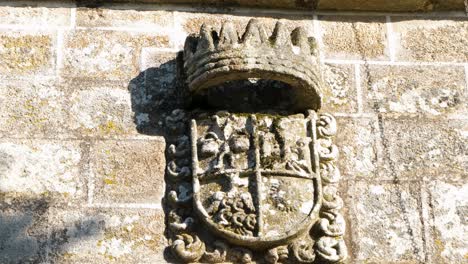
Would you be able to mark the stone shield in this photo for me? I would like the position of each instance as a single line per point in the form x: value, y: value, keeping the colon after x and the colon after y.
x: 255, y: 177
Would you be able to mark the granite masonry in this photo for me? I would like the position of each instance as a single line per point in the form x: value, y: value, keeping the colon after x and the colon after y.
x: 86, y: 92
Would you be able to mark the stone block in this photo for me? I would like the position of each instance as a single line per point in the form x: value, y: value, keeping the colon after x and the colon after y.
x: 107, y: 236
x: 24, y: 229
x: 425, y: 149
x: 414, y: 90
x: 120, y: 16
x: 342, y: 5
x: 156, y: 58
x: 449, y: 221
x: 354, y: 37
x: 106, y: 55
x: 27, y: 53
x: 128, y: 171
x: 42, y: 167
x: 37, y: 13
x: 32, y: 108
x: 386, y: 223
x: 420, y: 39
x: 339, y: 93
x: 102, y: 111
x: 360, y: 148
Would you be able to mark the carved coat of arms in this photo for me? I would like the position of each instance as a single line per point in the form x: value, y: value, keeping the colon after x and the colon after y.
x: 252, y: 177
x: 254, y: 187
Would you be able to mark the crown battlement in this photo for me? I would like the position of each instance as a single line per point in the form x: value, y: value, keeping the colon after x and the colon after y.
x: 212, y: 58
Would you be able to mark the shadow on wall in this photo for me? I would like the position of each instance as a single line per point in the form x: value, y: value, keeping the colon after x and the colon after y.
x: 156, y: 94
x: 29, y: 233
x: 23, y: 230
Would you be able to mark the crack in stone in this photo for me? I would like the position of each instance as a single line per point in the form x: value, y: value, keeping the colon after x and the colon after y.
x: 396, y: 180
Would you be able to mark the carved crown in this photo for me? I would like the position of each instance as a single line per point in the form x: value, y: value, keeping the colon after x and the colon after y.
x: 212, y: 58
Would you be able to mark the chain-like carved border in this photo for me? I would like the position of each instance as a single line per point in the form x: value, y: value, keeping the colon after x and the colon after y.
x: 185, y: 245
x: 324, y: 244
x: 330, y: 246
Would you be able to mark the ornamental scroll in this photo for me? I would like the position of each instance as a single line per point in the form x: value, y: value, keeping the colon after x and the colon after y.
x: 253, y: 179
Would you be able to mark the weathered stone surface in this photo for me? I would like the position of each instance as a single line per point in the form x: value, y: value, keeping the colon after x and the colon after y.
x: 354, y: 37
x: 360, y: 148
x: 159, y: 89
x: 191, y: 22
x: 156, y: 58
x: 32, y: 108
x: 128, y: 171
x: 111, y: 55
x: 376, y: 5
x: 361, y: 5
x: 127, y: 18
x: 431, y: 39
x: 449, y: 5
x: 42, y: 167
x: 386, y: 223
x: 416, y: 90
x: 255, y: 70
x: 425, y: 148
x: 449, y: 221
x: 227, y: 3
x: 160, y: 72
x: 250, y: 195
x: 102, y: 111
x: 24, y: 229
x: 247, y: 180
x: 38, y: 13
x: 25, y: 52
x: 106, y: 236
x: 47, y: 108
x: 110, y: 91
x: 339, y: 90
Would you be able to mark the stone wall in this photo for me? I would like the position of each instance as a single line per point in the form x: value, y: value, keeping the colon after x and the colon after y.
x: 83, y: 92
x: 348, y: 5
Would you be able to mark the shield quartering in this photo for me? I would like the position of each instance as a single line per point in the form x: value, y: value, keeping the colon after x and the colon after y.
x: 253, y: 176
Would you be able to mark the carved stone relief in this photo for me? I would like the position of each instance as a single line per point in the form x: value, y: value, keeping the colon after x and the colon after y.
x: 254, y: 178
